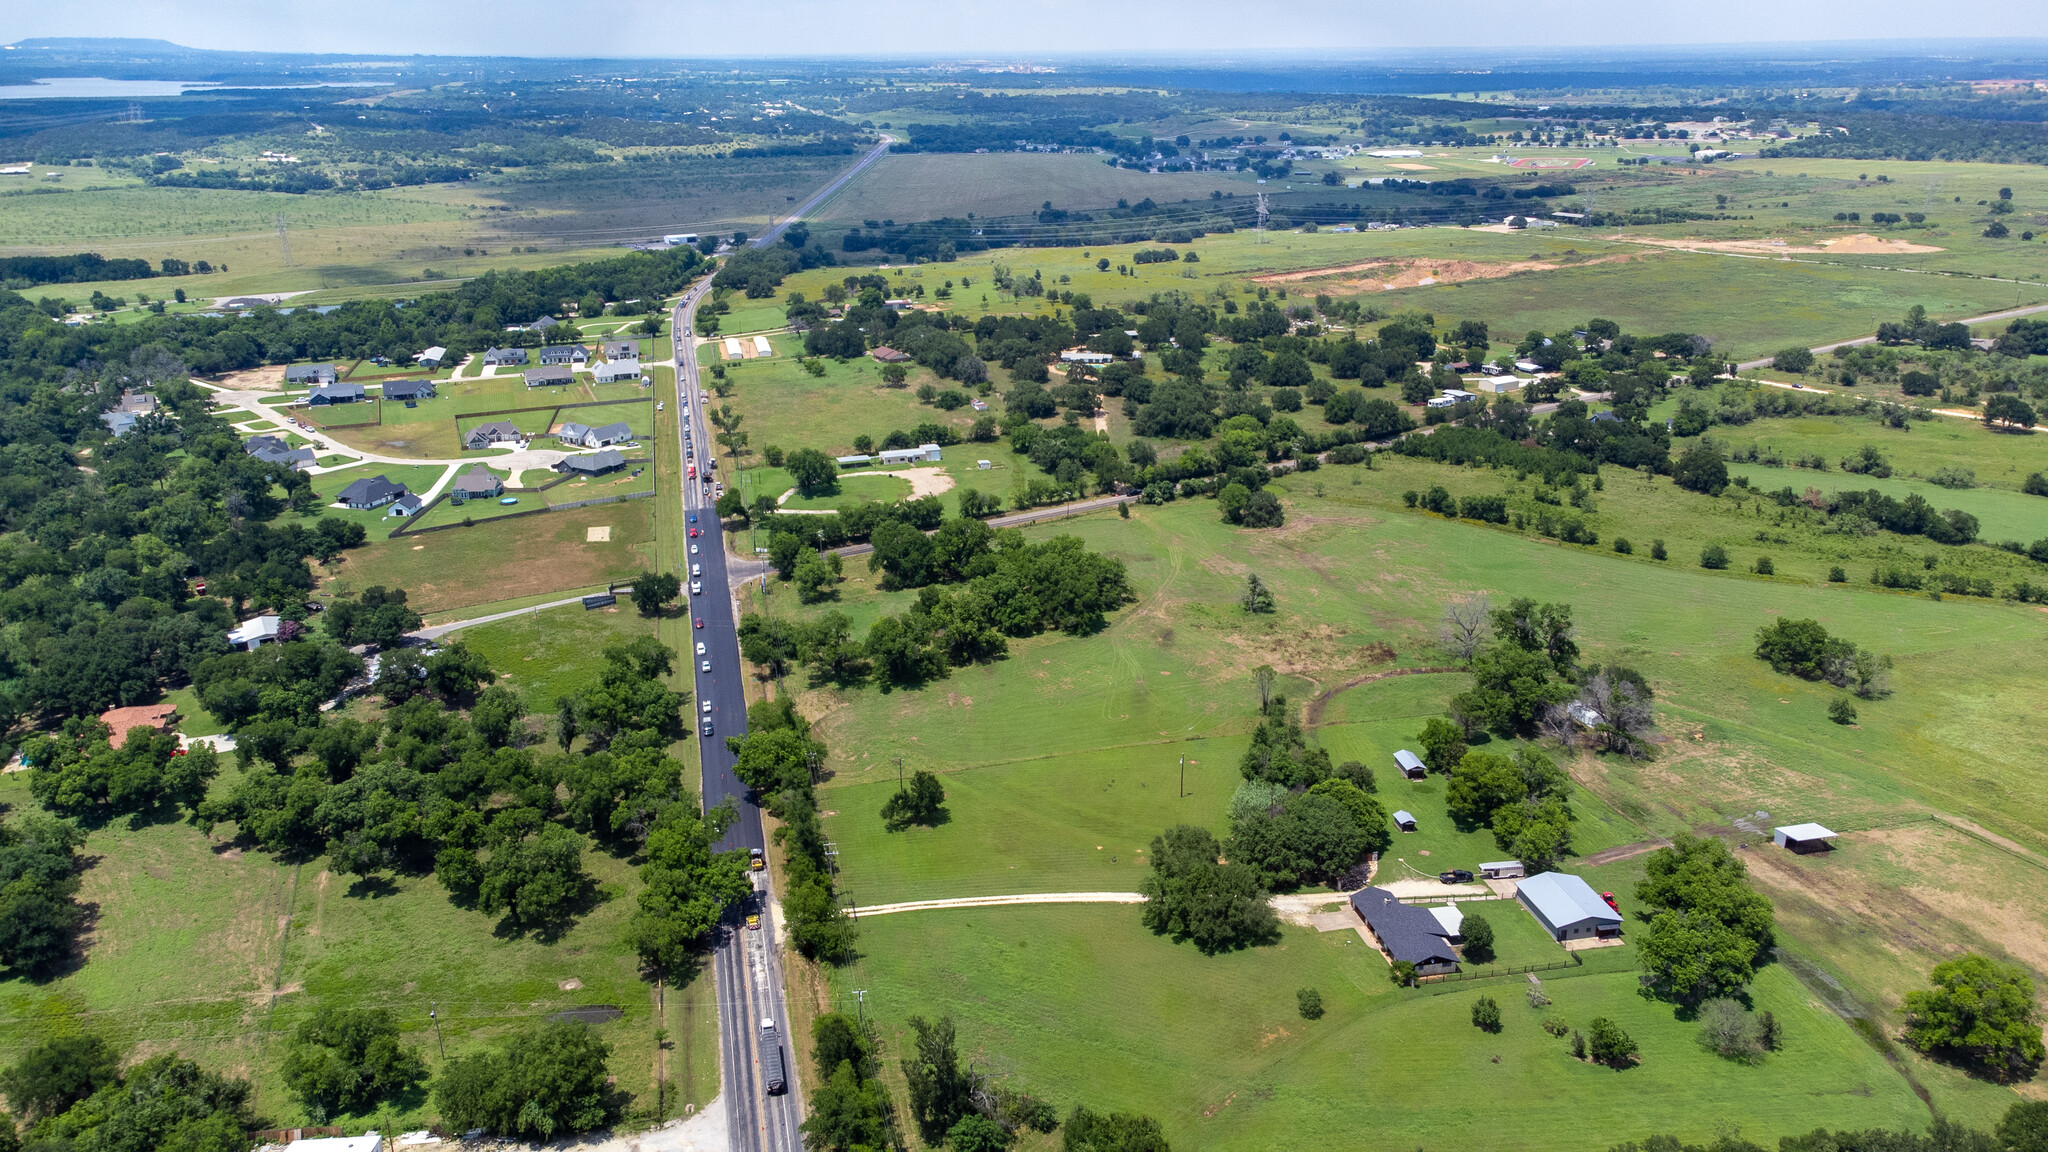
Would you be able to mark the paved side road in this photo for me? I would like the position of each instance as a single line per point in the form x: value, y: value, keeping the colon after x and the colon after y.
x: 1824, y: 349
x: 1003, y: 901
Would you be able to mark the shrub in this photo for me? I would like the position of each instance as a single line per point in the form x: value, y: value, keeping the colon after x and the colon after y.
x: 1714, y: 556
x: 1953, y: 477
x: 1309, y: 1003
x: 1763, y: 567
x: 1622, y: 546
x: 1478, y: 933
x: 1556, y: 1026
x: 2036, y: 485
x: 1657, y: 550
x: 1725, y: 1030
x: 1486, y: 1014
x: 1610, y: 1045
x: 1837, y: 576
x: 1842, y: 710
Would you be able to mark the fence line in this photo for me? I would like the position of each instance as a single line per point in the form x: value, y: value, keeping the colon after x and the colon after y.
x: 1572, y: 961
x: 403, y: 530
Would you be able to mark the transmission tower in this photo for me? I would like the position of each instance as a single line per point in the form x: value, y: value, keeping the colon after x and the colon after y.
x: 1263, y: 213
x: 283, y: 242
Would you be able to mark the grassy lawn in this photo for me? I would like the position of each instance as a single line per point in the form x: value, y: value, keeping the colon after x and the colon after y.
x: 416, y: 477
x: 554, y: 652
x: 787, y: 407
x: 616, y: 483
x: 1082, y: 1005
x: 492, y: 562
x: 755, y: 316
x: 852, y: 489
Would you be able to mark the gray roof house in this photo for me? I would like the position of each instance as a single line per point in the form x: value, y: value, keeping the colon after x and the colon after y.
x: 406, y: 506
x: 564, y: 354
x: 550, y: 376
x: 494, y: 432
x: 374, y: 492
x: 1567, y: 906
x: 1406, y: 932
x: 310, y: 374
x: 588, y: 437
x: 613, y: 371
x: 408, y: 389
x: 544, y: 323
x: 592, y: 463
x: 343, y: 393
x: 479, y: 483
x: 275, y: 450
x: 504, y: 356
x: 620, y: 349
x: 118, y: 422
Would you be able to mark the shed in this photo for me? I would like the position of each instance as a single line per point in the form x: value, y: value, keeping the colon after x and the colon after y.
x: 368, y: 1142
x: 406, y: 506
x: 855, y: 461
x: 762, y: 347
x: 1452, y: 920
x: 1406, y: 932
x: 1567, y: 906
x: 1404, y: 820
x: 1502, y: 870
x: 1411, y: 765
x: 600, y: 600
x: 1803, y: 838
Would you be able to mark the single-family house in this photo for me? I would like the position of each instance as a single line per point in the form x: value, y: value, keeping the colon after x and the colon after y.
x: 565, y: 354
x: 1410, y: 764
x: 431, y: 357
x: 479, y: 483
x: 1406, y: 932
x: 504, y: 357
x: 888, y: 355
x: 584, y: 436
x: 275, y: 450
x: 550, y: 376
x: 118, y: 422
x: 544, y: 323
x: 593, y: 463
x: 406, y: 506
x: 1502, y: 870
x: 408, y: 389
x: 346, y: 392
x: 310, y: 374
x: 494, y: 432
x: 910, y: 455
x: 620, y: 349
x: 1803, y: 838
x: 151, y: 717
x: 254, y: 633
x: 613, y: 371
x: 1404, y: 820
x: 1567, y: 907
x: 372, y: 492
x: 1084, y: 356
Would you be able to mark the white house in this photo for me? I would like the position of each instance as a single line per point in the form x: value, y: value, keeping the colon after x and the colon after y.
x: 613, y: 371
x: 252, y: 634
x: 910, y: 455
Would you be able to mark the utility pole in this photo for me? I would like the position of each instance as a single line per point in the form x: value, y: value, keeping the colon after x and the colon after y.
x: 284, y: 243
x: 860, y: 997
x: 1262, y: 218
x: 434, y: 1014
x: 1183, y: 776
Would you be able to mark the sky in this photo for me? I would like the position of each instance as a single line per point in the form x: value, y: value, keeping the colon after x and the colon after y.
x: 1005, y: 29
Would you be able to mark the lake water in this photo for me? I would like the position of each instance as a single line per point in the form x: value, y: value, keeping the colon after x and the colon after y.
x: 100, y: 88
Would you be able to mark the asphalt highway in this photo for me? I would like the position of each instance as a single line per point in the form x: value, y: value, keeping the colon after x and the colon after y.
x: 746, y: 964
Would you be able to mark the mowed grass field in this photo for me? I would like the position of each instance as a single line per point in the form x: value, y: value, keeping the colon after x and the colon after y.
x: 785, y: 406
x: 493, y: 562
x: 1062, y: 761
x: 218, y: 953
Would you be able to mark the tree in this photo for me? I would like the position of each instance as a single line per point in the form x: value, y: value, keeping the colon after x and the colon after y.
x: 654, y: 591
x: 770, y: 643
x: 1309, y: 1003
x: 1478, y: 933
x: 1700, y: 468
x: 920, y: 802
x: 380, y: 617
x: 455, y: 673
x: 1709, y: 925
x: 815, y: 473
x: 1981, y: 1013
x: 817, y: 578
x: 1370, y: 814
x: 2007, y: 410
x: 1231, y: 500
x: 1486, y: 1014
x: 1313, y: 837
x: 1792, y: 360
x: 533, y: 879
x: 939, y: 1087
x: 1191, y: 897
x: 344, y: 1060
x: 1087, y: 1131
x: 688, y: 888
x: 1465, y: 626
x: 1257, y: 598
x: 158, y: 1105
x: 2025, y: 1127
x: 1262, y: 509
x: 1481, y: 783
x: 1714, y: 557
x: 1609, y: 1045
x: 54, y: 1075
x: 1842, y: 710
x: 977, y: 1133
x: 1725, y: 1030
x: 548, y: 1082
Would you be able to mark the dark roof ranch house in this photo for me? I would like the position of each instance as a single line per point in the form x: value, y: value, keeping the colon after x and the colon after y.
x: 1405, y: 931
x: 592, y: 463
x: 374, y: 492
x: 310, y: 374
x: 495, y: 432
x: 550, y: 376
x: 343, y: 393
x: 408, y: 389
x: 504, y: 356
x: 564, y: 354
x: 479, y: 483
x: 1567, y: 907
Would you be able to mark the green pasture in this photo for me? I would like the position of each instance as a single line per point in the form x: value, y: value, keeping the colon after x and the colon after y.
x: 922, y: 186
x: 754, y: 316
x: 494, y: 562
x: 787, y: 407
x: 616, y: 483
x: 856, y: 487
x: 2001, y: 514
x: 1082, y: 1005
x: 2001, y: 460
x: 554, y: 651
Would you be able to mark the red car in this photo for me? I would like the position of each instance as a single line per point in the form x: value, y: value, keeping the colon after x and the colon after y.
x: 700, y: 621
x: 1609, y: 897
x: 694, y: 532
x: 693, y: 471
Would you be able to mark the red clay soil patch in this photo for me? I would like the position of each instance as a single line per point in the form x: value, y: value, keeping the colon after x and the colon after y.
x: 1382, y: 275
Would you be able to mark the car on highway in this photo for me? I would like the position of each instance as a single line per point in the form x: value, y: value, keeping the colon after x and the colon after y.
x: 693, y: 517
x: 693, y: 471
x: 696, y: 569
x: 705, y: 708
x: 694, y: 531
x: 706, y: 668
x: 700, y: 624
x: 706, y: 729
x: 693, y: 549
x: 696, y: 587
x: 753, y: 922
x: 756, y: 859
x: 700, y: 644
